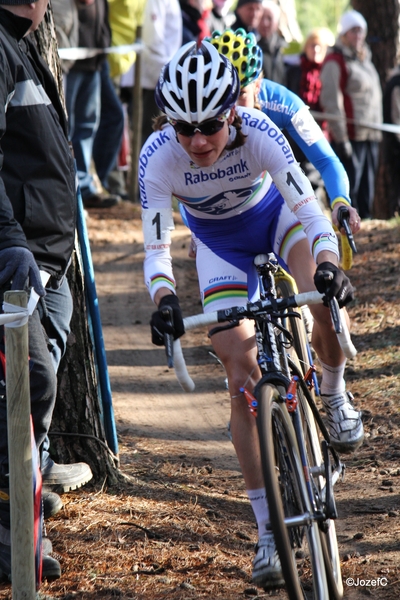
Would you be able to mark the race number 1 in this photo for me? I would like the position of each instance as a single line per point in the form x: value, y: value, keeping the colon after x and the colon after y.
x: 290, y: 180
x: 157, y: 227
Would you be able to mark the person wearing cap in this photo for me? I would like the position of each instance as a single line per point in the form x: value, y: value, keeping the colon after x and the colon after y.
x: 248, y: 14
x: 37, y: 233
x: 352, y: 93
x: 271, y: 42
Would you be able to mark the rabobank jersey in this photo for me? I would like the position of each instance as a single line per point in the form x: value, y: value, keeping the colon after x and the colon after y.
x: 290, y: 114
x: 235, y: 184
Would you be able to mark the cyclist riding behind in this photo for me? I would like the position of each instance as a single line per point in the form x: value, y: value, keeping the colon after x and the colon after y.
x: 244, y: 194
x: 289, y: 112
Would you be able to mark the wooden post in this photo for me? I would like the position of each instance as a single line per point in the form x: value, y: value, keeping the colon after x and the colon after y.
x: 137, y: 117
x: 20, y: 456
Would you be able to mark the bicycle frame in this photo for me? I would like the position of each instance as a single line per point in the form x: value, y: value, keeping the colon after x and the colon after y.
x: 278, y: 368
x: 281, y: 372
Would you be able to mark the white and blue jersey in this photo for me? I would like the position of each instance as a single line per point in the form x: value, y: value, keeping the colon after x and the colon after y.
x: 253, y: 199
x: 292, y: 115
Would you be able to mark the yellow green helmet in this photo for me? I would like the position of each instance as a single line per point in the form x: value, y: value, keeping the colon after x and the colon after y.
x: 242, y: 50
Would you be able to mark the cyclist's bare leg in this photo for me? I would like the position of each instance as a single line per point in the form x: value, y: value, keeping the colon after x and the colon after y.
x: 344, y: 421
x: 324, y: 339
x: 237, y: 350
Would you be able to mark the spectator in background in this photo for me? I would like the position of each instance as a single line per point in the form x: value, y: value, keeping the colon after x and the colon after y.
x: 205, y: 7
x: 303, y: 78
x: 162, y: 37
x: 248, y: 14
x: 350, y: 88
x: 271, y: 42
x: 303, y: 75
x: 108, y: 138
x: 391, y: 141
x: 220, y: 17
x: 124, y: 16
x: 83, y: 98
x: 66, y: 21
x: 37, y: 233
x: 192, y: 11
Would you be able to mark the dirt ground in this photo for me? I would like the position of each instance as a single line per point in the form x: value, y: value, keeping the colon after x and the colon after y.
x: 179, y: 526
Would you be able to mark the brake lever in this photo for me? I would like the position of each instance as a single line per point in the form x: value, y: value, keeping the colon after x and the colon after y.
x: 335, y: 314
x: 333, y: 306
x: 343, y: 216
x: 167, y: 315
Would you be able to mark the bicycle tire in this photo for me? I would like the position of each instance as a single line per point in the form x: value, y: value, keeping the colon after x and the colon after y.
x: 327, y: 529
x: 312, y: 441
x: 329, y: 543
x: 288, y: 497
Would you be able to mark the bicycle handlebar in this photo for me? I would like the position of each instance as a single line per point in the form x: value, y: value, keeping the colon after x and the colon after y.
x: 297, y: 300
x: 343, y: 216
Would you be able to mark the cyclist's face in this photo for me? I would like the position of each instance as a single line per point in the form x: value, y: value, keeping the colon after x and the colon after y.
x: 247, y: 95
x: 204, y: 150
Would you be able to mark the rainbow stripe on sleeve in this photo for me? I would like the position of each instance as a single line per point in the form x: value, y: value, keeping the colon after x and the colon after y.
x: 224, y: 290
x: 321, y: 238
x: 296, y: 227
x: 161, y: 278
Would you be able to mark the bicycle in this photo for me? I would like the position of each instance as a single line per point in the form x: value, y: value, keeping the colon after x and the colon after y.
x: 299, y: 466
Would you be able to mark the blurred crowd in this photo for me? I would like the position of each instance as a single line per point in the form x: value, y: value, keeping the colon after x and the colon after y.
x: 331, y: 72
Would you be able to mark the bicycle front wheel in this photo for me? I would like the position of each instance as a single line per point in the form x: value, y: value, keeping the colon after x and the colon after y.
x: 294, y: 324
x: 296, y: 533
x: 327, y: 527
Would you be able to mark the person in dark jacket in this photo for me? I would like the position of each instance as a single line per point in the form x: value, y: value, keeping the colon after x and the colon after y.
x: 37, y: 231
x: 87, y: 80
x: 191, y: 15
x: 391, y: 141
x: 248, y: 14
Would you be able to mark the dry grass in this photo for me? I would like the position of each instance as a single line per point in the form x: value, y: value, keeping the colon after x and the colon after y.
x: 177, y: 528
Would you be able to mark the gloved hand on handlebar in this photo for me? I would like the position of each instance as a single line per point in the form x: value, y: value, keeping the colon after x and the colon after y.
x: 159, y: 323
x: 337, y: 286
x: 18, y: 264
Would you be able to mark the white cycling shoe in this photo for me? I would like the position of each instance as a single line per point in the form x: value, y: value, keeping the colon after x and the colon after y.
x: 267, y: 571
x: 344, y: 422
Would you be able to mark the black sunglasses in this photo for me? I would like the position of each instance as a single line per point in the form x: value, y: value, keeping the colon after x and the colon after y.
x: 206, y: 128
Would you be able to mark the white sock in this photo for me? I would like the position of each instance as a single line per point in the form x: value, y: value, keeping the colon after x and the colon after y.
x: 259, y: 504
x: 332, y: 379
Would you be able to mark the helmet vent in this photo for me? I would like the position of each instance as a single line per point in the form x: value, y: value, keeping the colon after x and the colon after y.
x: 207, y: 101
x: 192, y: 96
x: 193, y: 65
x: 221, y: 71
x: 179, y: 101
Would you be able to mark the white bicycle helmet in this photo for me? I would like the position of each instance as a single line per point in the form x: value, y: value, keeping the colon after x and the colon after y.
x: 198, y: 84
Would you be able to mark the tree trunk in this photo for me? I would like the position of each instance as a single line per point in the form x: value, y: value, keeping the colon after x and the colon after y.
x: 77, y: 431
x: 383, y: 38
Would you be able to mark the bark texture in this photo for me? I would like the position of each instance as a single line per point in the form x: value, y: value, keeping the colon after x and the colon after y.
x: 383, y: 38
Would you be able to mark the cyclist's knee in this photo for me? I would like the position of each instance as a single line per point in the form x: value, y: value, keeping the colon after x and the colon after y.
x: 322, y: 316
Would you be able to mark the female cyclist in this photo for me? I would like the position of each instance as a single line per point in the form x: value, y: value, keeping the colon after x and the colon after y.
x: 244, y: 194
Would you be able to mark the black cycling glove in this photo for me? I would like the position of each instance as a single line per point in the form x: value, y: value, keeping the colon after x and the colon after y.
x: 338, y: 286
x: 160, y: 323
